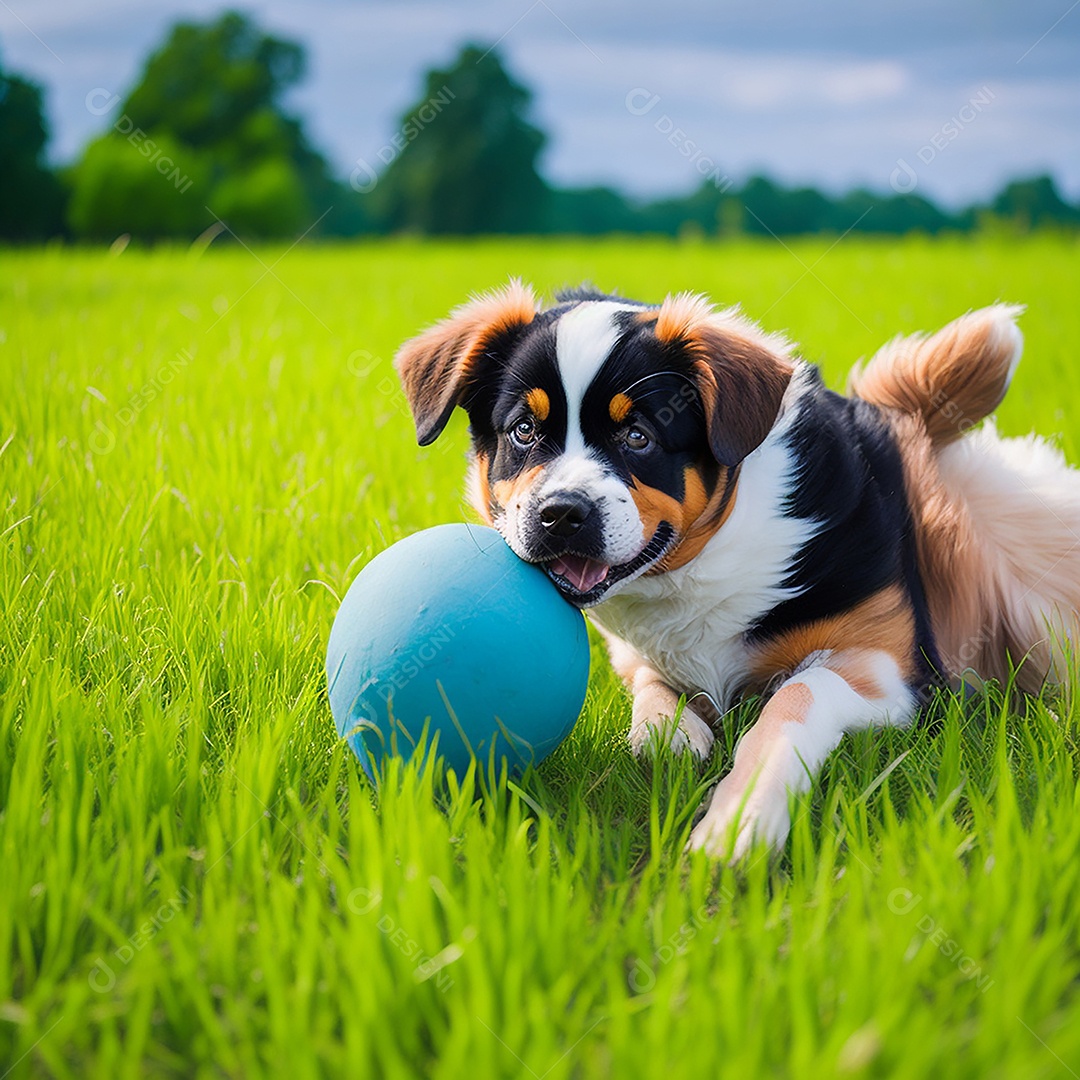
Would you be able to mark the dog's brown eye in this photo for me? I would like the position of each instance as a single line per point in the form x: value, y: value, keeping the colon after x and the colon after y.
x: 523, y: 432
x: 636, y: 439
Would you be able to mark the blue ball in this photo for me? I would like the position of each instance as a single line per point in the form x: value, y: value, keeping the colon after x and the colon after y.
x: 449, y: 627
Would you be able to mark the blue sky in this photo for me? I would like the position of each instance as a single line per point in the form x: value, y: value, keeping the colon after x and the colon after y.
x: 833, y: 94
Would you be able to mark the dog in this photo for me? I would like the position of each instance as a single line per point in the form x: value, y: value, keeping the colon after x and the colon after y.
x: 735, y: 528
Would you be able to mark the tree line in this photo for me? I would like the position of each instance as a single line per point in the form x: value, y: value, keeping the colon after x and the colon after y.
x: 203, y: 141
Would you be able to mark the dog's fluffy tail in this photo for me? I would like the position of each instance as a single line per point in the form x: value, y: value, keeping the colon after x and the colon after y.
x: 997, y: 520
x: 952, y: 379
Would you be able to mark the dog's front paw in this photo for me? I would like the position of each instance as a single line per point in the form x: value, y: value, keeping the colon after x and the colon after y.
x: 740, y: 816
x: 653, y: 727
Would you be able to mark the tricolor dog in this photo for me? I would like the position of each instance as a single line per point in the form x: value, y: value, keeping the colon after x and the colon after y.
x: 735, y: 528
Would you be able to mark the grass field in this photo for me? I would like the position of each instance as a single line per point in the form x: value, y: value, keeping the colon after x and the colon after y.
x: 199, y: 453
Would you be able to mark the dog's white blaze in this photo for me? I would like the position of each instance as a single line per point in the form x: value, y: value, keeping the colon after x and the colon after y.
x: 584, y: 338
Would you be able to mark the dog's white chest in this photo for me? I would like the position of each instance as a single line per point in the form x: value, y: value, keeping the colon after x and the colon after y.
x: 692, y: 649
x: 690, y: 624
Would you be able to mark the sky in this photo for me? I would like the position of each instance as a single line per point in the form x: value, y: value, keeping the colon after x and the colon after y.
x: 948, y: 98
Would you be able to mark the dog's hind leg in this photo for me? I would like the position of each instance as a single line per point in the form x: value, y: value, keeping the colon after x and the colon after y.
x: 1007, y: 557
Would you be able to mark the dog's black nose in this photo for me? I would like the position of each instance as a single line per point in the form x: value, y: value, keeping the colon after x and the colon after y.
x: 564, y: 514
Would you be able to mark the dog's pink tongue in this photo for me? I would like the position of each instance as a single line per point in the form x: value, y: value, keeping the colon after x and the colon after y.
x: 584, y: 574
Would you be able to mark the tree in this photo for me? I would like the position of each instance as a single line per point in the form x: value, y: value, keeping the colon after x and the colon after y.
x: 209, y: 83
x: 596, y: 211
x: 467, y: 158
x: 212, y: 94
x: 119, y: 190
x: 31, y: 197
x: 266, y: 200
x: 869, y: 212
x: 772, y: 209
x: 1033, y: 203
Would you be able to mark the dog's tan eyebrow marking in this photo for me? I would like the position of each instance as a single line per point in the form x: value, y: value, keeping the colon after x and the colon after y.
x: 619, y: 407
x: 539, y: 402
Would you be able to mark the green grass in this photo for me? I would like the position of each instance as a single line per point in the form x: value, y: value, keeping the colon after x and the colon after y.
x: 196, y: 879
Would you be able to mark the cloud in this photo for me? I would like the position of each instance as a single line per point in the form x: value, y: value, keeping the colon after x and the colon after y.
x: 829, y: 93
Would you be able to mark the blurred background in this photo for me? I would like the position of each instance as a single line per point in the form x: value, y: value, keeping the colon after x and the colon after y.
x: 184, y: 121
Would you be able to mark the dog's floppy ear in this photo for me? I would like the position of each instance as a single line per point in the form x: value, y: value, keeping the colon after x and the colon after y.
x: 437, y: 367
x: 741, y: 372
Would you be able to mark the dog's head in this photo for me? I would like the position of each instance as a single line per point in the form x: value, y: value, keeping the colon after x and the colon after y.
x: 607, y: 434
